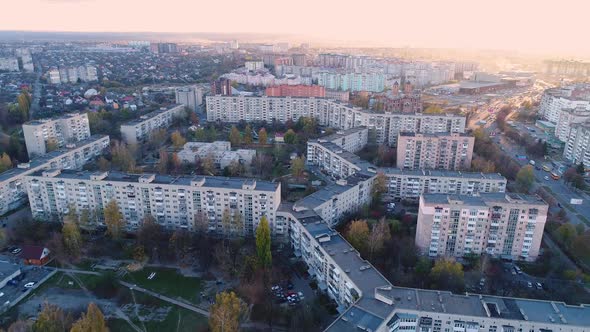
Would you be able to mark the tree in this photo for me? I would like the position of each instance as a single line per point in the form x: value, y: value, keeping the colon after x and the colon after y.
x: 163, y: 162
x: 5, y: 162
x: 565, y: 234
x: 149, y: 233
x: 92, y: 321
x: 525, y: 177
x: 51, y: 144
x: 157, y: 138
x: 297, y: 167
x: 20, y: 326
x: 225, y: 313
x: 52, y: 319
x: 358, y: 234
x: 72, y: 238
x: 581, y: 169
x: 103, y: 164
x: 114, y: 220
x: 263, y: 242
x: 177, y: 139
x: 290, y: 137
x: 122, y: 157
x: 200, y: 135
x: 433, y: 109
x: 378, y: 236
x: 139, y: 253
x: 262, y: 164
x: 262, y: 136
x: 179, y: 243
x: 237, y: 224
x: 226, y: 222
x: 447, y: 274
x: 201, y: 222
x: 24, y: 104
x: 234, y: 136
x: 379, y: 186
x: 208, y: 165
x: 248, y: 135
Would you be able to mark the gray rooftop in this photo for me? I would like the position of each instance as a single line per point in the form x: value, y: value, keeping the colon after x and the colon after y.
x: 342, y: 133
x: 484, y: 199
x: 44, y: 159
x: 150, y: 115
x: 186, y: 180
x: 442, y: 173
x: 327, y: 193
x: 364, y: 167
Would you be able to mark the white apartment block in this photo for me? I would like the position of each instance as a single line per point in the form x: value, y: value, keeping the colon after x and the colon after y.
x: 336, y: 161
x: 219, y: 151
x: 12, y: 188
x: 254, y: 65
x: 403, y: 184
x: 569, y: 117
x: 139, y: 129
x: 63, y: 130
x: 53, y: 76
x: 503, y: 225
x: 369, y: 302
x: 447, y: 151
x: 352, y: 140
x: 336, y: 200
x: 577, y: 147
x: 174, y: 201
x: 189, y: 96
x: 330, y: 113
x: 555, y: 100
x: 86, y: 73
x: 9, y: 64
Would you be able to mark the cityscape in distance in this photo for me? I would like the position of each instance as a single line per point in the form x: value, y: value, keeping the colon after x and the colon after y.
x: 386, y: 167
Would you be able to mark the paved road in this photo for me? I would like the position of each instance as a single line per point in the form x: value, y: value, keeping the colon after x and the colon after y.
x: 165, y: 298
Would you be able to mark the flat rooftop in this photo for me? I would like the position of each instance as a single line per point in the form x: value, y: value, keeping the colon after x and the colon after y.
x: 46, y: 158
x: 327, y: 193
x: 442, y: 173
x: 150, y: 115
x: 209, y: 181
x: 60, y: 117
x: 362, y: 165
x: 484, y: 199
x: 342, y: 133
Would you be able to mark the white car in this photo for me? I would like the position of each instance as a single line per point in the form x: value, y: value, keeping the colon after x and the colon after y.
x: 30, y: 284
x: 546, y: 178
x: 1, y: 294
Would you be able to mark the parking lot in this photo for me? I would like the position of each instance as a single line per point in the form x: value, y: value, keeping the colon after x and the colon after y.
x: 30, y: 276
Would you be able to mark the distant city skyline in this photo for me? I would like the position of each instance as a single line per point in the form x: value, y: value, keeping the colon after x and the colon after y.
x: 530, y: 26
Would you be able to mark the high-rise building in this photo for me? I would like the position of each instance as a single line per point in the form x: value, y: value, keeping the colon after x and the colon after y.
x: 55, y: 133
x: 220, y: 153
x: 352, y: 81
x: 447, y: 151
x: 74, y: 156
x: 503, y: 225
x: 9, y: 64
x: 162, y: 48
x: 53, y: 76
x: 176, y: 202
x: 577, y: 146
x: 138, y: 130
x: 254, y: 65
x: 556, y: 100
x: 189, y: 96
x: 386, y: 126
x: 299, y: 59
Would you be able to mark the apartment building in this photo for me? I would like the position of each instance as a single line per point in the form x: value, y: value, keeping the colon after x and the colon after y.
x: 555, y: 100
x: 335, y: 114
x: 189, y: 96
x: 9, y: 64
x: 404, y: 184
x: 568, y: 117
x: 177, y: 202
x: 367, y: 301
x: 503, y: 225
x: 336, y: 200
x: 12, y: 188
x: 69, y: 128
x: 219, y: 151
x: 295, y: 91
x: 139, y: 129
x: 448, y: 151
x: 334, y: 160
x: 352, y: 81
x: 577, y: 147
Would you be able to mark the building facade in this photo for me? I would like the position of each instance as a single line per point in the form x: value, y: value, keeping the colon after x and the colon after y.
x: 59, y: 131
x: 404, y: 184
x: 447, y: 151
x: 12, y: 187
x: 502, y: 225
x: 296, y: 91
x: 555, y: 100
x: 352, y: 81
x: 138, y: 130
x: 219, y: 151
x: 577, y: 147
x: 176, y: 202
x: 189, y: 96
x: 386, y: 126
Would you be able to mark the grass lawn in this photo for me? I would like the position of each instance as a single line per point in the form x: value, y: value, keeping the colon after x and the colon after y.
x: 119, y: 325
x: 180, y: 320
x: 168, y: 282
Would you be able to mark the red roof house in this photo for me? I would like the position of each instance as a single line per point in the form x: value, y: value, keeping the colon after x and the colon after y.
x: 35, y: 255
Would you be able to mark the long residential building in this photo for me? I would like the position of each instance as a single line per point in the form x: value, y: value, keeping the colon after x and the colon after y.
x: 447, y: 151
x: 555, y: 100
x: 139, y: 129
x: 219, y: 151
x: 577, y: 146
x: 330, y: 113
x: 568, y: 117
x: 352, y: 81
x: 189, y: 96
x: 369, y: 302
x: 502, y: 225
x: 12, y: 188
x: 60, y: 131
x: 176, y: 202
x: 413, y: 183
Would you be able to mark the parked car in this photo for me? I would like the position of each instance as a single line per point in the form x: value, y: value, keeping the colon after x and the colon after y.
x: 16, y: 251
x: 529, y: 284
x: 30, y: 284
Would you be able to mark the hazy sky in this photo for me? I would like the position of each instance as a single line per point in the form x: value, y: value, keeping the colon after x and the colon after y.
x: 540, y: 25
